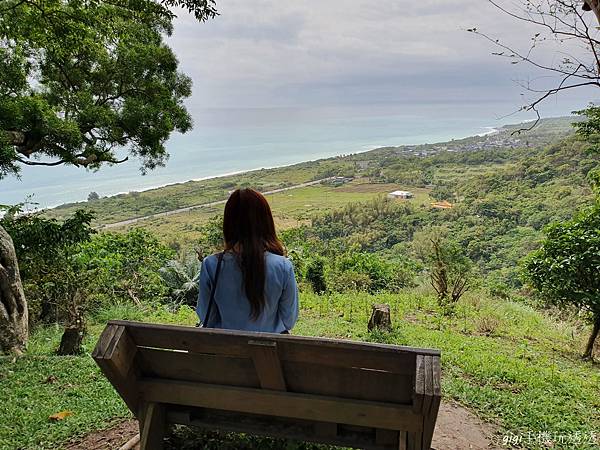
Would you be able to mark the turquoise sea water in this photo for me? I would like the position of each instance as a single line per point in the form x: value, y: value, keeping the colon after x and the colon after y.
x: 231, y: 140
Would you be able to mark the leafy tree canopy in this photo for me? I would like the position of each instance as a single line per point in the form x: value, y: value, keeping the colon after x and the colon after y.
x: 565, y: 270
x: 83, y: 82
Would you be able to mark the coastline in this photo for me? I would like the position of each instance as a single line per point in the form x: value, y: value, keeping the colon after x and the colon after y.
x: 364, y: 149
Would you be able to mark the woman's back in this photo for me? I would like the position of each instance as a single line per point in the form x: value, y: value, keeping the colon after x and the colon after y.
x: 232, y: 310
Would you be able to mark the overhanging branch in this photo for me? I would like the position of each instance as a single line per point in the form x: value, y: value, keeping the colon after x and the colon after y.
x: 79, y: 161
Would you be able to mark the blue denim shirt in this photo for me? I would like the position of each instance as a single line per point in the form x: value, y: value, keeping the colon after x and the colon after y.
x: 231, y: 309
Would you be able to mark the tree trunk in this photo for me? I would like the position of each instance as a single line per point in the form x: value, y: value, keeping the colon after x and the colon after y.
x: 589, y: 349
x: 14, y: 328
x: 592, y: 5
x: 380, y: 318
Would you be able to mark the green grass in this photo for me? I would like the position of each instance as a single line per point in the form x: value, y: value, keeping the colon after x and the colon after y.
x: 290, y: 208
x: 510, y: 364
x: 138, y: 204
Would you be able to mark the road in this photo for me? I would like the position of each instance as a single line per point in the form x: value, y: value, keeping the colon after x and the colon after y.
x: 206, y: 205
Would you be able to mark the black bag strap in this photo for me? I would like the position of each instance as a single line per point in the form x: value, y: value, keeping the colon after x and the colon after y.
x: 211, y: 300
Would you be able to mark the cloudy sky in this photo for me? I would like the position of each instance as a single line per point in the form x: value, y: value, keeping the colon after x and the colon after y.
x: 282, y: 81
x: 315, y: 53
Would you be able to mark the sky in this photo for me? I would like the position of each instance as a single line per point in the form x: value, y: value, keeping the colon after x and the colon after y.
x: 282, y: 81
x: 348, y: 53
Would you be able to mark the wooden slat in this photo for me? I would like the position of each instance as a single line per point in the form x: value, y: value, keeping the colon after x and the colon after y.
x: 428, y: 369
x: 414, y: 440
x: 210, y: 369
x: 283, y: 404
x: 104, y: 339
x: 399, y: 362
x: 431, y: 416
x: 115, y: 354
x: 121, y: 352
x: 402, y: 440
x: 153, y: 427
x: 437, y: 378
x: 419, y: 388
x: 267, y: 364
x: 427, y: 400
x: 112, y: 345
x: 290, y: 348
x: 359, y: 384
x: 138, y: 328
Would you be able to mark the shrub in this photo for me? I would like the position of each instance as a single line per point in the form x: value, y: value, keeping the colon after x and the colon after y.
x: 125, y: 267
x: 315, y: 274
x: 181, y: 277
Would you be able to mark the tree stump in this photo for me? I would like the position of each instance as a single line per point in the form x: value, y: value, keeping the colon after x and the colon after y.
x: 70, y: 343
x: 380, y: 318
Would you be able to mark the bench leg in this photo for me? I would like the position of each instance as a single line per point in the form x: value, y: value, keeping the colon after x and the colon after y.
x: 415, y: 441
x: 402, y: 440
x: 153, y: 426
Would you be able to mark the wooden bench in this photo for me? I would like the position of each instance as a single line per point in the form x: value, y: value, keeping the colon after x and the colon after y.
x: 322, y: 390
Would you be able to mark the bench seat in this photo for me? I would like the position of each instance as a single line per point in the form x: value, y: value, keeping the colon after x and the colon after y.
x: 329, y: 391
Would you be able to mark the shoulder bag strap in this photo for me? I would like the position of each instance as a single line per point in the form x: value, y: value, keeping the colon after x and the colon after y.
x: 211, y: 300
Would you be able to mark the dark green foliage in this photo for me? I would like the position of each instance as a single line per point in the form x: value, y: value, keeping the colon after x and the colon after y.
x: 125, y: 267
x: 83, y: 82
x: 202, y: 9
x: 67, y: 269
x: 566, y: 269
x: 377, y: 225
x: 588, y: 130
x: 441, y: 192
x: 315, y: 274
x: 54, y: 281
x: 211, y: 240
x: 502, y: 200
x: 370, y: 272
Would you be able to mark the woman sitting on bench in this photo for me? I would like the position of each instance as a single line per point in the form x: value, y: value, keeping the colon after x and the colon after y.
x: 250, y: 285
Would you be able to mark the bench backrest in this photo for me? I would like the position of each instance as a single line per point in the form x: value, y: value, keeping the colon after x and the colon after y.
x: 327, y: 380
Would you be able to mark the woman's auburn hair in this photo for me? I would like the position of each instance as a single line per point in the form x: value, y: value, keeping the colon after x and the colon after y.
x: 248, y: 227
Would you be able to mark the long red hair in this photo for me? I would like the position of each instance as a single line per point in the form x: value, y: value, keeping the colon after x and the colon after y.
x: 249, y: 231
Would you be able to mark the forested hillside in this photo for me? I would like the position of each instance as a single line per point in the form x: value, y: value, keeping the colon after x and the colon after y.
x: 501, y: 200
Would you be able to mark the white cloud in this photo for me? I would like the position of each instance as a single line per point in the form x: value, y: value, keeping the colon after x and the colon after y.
x: 284, y: 53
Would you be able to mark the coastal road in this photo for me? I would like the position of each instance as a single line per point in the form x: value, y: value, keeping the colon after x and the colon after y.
x: 205, y: 205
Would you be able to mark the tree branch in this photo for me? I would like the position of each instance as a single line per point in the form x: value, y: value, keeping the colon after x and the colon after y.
x: 78, y: 161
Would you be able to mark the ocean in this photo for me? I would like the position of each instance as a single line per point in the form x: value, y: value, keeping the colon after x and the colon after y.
x: 226, y: 141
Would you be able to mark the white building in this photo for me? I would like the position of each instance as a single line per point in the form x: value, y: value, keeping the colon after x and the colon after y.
x: 401, y: 194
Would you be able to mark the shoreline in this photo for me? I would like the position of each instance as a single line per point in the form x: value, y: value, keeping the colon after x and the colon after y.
x: 364, y: 149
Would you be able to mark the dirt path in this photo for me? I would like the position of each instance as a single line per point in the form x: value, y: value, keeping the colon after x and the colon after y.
x: 457, y: 429
x: 206, y: 205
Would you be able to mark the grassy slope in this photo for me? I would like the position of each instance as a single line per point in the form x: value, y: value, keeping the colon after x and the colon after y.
x: 290, y: 208
x: 136, y: 204
x: 509, y: 363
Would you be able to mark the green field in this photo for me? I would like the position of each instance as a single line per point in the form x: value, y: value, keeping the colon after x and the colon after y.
x: 290, y: 208
x: 138, y: 204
